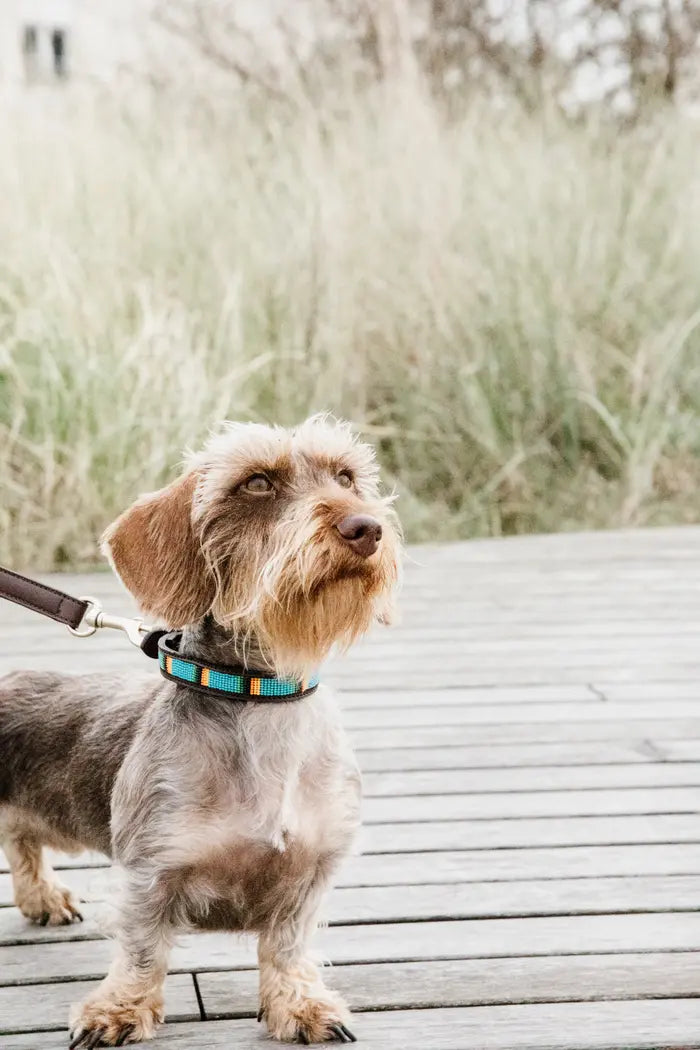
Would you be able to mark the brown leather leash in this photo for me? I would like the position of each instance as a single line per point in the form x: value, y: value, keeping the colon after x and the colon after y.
x: 40, y: 598
x: 82, y: 616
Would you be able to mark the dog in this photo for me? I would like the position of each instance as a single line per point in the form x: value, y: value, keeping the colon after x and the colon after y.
x: 272, y: 547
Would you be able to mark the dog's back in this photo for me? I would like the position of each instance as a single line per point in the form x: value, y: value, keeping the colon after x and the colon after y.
x: 62, y: 741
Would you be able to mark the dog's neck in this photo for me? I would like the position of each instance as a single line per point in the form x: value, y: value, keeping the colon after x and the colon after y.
x: 209, y: 642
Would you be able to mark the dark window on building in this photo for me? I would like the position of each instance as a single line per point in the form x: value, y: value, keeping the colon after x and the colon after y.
x: 58, y: 50
x: 30, y: 51
x: 30, y: 40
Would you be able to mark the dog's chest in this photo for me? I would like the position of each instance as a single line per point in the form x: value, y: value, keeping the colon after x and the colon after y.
x: 276, y: 812
x: 265, y: 858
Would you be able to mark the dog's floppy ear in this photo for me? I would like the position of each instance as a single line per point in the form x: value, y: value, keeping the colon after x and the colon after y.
x: 155, y: 552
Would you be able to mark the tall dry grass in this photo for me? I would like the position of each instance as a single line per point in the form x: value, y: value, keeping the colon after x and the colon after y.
x: 507, y: 306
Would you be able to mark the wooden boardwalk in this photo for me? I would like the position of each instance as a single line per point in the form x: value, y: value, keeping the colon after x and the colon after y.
x: 530, y: 868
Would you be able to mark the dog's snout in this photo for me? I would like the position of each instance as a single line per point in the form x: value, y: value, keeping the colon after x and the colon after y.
x: 361, y: 532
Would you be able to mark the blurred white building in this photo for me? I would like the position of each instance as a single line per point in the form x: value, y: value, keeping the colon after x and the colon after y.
x: 52, y: 40
x: 49, y: 41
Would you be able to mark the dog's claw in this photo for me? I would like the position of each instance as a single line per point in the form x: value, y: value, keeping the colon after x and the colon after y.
x: 343, y: 1034
x: 261, y: 1013
x: 303, y: 1037
x: 78, y: 915
x: 124, y: 1035
x: 87, y: 1038
x: 44, y: 920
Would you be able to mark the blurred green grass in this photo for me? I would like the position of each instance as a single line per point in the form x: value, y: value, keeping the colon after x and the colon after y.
x: 507, y: 305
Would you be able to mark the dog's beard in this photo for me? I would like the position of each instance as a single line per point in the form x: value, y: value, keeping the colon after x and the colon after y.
x: 309, y: 593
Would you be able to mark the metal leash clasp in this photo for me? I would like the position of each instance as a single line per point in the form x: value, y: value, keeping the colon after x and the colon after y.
x: 95, y: 617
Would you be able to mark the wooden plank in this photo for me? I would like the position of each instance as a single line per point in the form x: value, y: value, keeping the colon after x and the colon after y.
x: 476, y: 982
x: 677, y: 750
x: 100, y: 883
x: 44, y: 1007
x: 15, y: 929
x: 90, y: 884
x: 514, y: 899
x: 517, y: 864
x: 472, y: 900
x: 417, y: 676
x: 440, y: 640
x: 402, y: 698
x: 59, y: 860
x: 435, y: 835
x: 633, y: 692
x: 520, y: 756
x: 471, y: 939
x: 480, y: 938
x: 465, y: 866
x: 544, y: 778
x: 595, y: 658
x: 644, y: 1024
x: 531, y: 804
x: 524, y: 733
x: 474, y: 714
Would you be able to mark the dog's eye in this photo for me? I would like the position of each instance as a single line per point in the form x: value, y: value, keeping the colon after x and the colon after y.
x: 258, y: 484
x: 344, y: 478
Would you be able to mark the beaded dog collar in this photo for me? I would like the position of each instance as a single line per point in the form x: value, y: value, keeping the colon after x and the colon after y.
x: 83, y: 616
x: 234, y: 682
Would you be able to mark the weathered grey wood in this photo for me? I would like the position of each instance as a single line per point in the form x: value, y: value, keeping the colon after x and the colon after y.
x: 361, y: 698
x: 507, y: 864
x: 482, y: 714
x: 44, y: 1007
x: 90, y: 884
x: 435, y: 902
x: 97, y: 883
x: 464, y: 866
x: 525, y: 732
x: 677, y: 750
x: 532, y: 804
x: 528, y: 833
x: 560, y: 935
x: 60, y: 861
x: 477, y: 982
x: 649, y: 1024
x: 417, y: 985
x: 531, y: 742
x: 15, y: 929
x: 513, y: 899
x: 545, y: 778
x: 519, y: 756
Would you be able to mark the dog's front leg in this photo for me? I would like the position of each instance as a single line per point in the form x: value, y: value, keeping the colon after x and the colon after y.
x: 294, y: 1002
x: 128, y: 1004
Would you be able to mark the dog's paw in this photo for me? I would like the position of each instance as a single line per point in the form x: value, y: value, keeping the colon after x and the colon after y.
x: 48, y: 904
x: 103, y: 1022
x: 308, y: 1020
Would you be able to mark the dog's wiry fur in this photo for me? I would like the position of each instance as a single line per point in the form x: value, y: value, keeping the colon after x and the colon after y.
x: 223, y: 815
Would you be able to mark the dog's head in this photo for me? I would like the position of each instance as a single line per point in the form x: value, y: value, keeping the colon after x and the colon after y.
x: 278, y: 534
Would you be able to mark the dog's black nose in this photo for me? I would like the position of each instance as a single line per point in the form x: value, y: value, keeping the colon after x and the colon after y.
x: 361, y: 532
